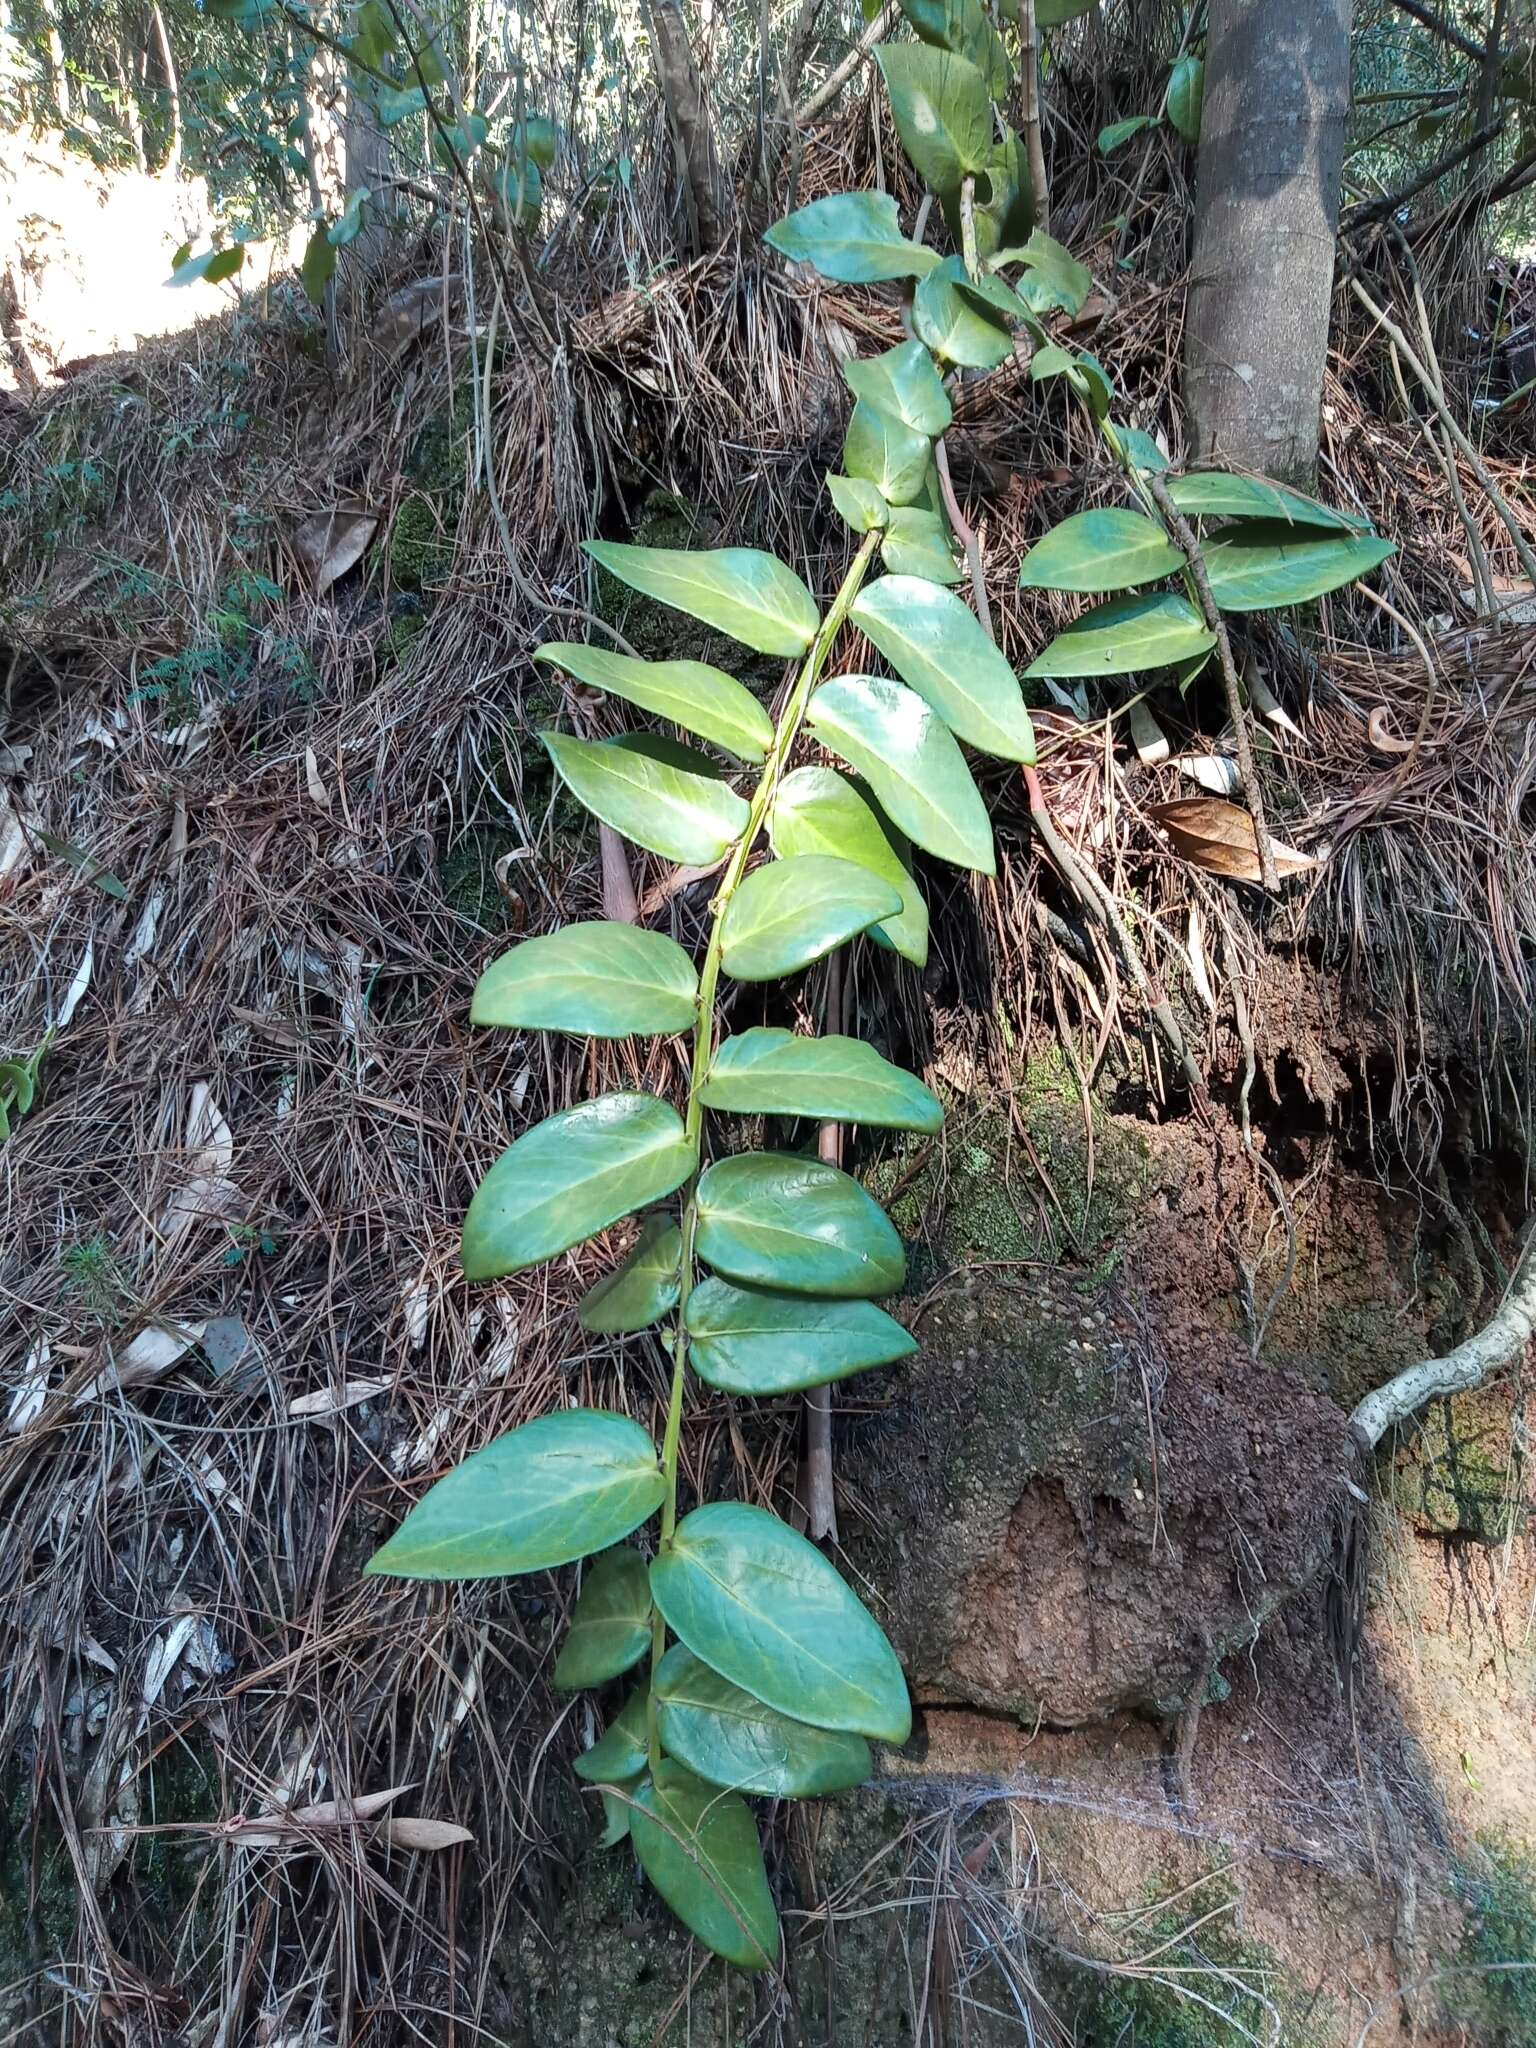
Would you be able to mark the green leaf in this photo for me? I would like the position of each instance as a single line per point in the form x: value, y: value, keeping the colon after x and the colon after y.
x: 350, y: 225
x: 699, y: 1848
x: 991, y: 295
x: 1142, y: 450
x: 1109, y: 549
x: 954, y: 328
x: 615, y: 1821
x: 942, y: 110
x: 772, y: 1219
x: 1084, y: 373
x: 788, y: 913
x: 766, y: 1610
x: 1005, y: 207
x: 727, y: 1738
x: 1054, y: 13
x: 903, y: 383
x: 519, y: 190
x: 766, y: 1071
x: 1056, y: 278
x: 887, y: 454
x: 1152, y: 631
x: 1263, y: 563
x: 911, y: 761
x: 747, y: 1340
x: 939, y: 648
x: 375, y: 37
x: 742, y: 592
x: 641, y: 1290
x: 537, y: 138
x: 702, y: 700
x: 962, y: 26
x: 1186, y: 97
x: 685, y: 817
x: 395, y: 104
x: 319, y: 265
x: 211, y: 267
x: 859, y: 504
x: 619, y: 1754
x: 916, y: 543
x: 598, y: 979
x: 610, y: 1629
x: 554, y: 1490
x: 817, y: 811
x: 851, y: 238
x: 570, y: 1177
x: 1117, y: 132
x: 1212, y: 494
x: 20, y: 1078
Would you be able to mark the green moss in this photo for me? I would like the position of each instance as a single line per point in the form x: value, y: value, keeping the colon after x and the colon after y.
x: 1493, y: 1995
x: 468, y: 875
x: 421, y: 544
x: 38, y: 1893
x: 1462, y: 1475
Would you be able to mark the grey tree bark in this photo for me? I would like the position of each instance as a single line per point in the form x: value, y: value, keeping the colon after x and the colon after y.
x: 1266, y: 213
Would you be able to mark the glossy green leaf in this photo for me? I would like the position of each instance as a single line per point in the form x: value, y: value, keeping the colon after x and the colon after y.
x: 859, y: 504
x: 537, y: 137
x: 570, y: 1177
x: 556, y: 1489
x: 916, y: 543
x: 615, y: 1821
x: 1118, y: 132
x: 699, y: 1848
x: 641, y: 1290
x: 1084, y: 373
x: 396, y: 103
x: 726, y: 1737
x: 743, y: 592
x: 788, y: 913
x: 1142, y: 451
x: 852, y: 238
x: 685, y: 817
x: 903, y: 383
x: 1213, y: 494
x: 992, y: 295
x: 765, y: 1609
x: 619, y: 1754
x: 1054, y: 277
x: 598, y: 979
x: 1005, y: 207
x: 942, y: 110
x: 1263, y: 563
x: 610, y: 1627
x: 1186, y: 96
x: 772, y: 1219
x: 520, y: 191
x: 1152, y: 631
x: 884, y: 452
x: 746, y: 1340
x: 816, y: 810
x: 702, y: 700
x: 954, y: 328
x: 912, y: 762
x: 939, y: 648
x: 213, y: 266
x: 1111, y: 548
x: 767, y: 1071
x: 963, y: 26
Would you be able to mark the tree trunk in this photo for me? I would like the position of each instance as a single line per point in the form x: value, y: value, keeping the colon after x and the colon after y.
x: 688, y: 118
x: 1266, y: 212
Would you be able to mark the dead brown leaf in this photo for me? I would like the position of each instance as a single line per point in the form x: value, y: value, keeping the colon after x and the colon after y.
x: 415, y: 1831
x: 332, y: 542
x: 1219, y: 837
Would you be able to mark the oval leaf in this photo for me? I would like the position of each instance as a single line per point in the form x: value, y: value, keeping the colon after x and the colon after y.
x: 911, y: 761
x: 1263, y: 563
x: 939, y: 647
x: 570, y: 1177
x: 955, y: 328
x: 859, y: 505
x: 769, y: 1072
x: 852, y: 238
x: 699, y: 1848
x: 884, y: 452
x: 1215, y: 494
x: 554, y: 1490
x: 774, y: 1220
x: 642, y: 1290
x: 702, y: 700
x: 942, y: 110
x: 916, y: 543
x: 728, y: 1738
x: 904, y: 383
x: 599, y: 979
x: 816, y: 810
x: 765, y: 1609
x: 1055, y: 277
x: 750, y: 595
x: 748, y: 1341
x: 1131, y: 633
x: 610, y: 1629
x: 1186, y: 97
x: 1220, y: 837
x: 788, y: 913
x: 1109, y: 549
x: 685, y: 817
x: 619, y: 1754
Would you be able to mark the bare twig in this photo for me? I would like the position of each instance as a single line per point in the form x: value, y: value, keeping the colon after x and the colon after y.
x: 1029, y: 81
x: 840, y: 74
x: 1372, y: 210
x: 1447, y: 31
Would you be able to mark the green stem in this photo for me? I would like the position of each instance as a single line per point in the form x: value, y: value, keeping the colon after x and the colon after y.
x: 785, y: 734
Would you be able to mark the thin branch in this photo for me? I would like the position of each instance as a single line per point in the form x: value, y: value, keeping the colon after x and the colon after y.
x: 1029, y: 79
x: 1371, y: 210
x: 1184, y: 534
x: 1499, y: 1343
x: 1447, y: 31
x: 839, y: 76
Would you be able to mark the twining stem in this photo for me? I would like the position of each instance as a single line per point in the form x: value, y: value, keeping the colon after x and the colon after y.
x: 785, y: 734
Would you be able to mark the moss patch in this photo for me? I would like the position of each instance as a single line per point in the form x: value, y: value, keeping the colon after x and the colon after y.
x: 1463, y: 1474
x: 1495, y: 1996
